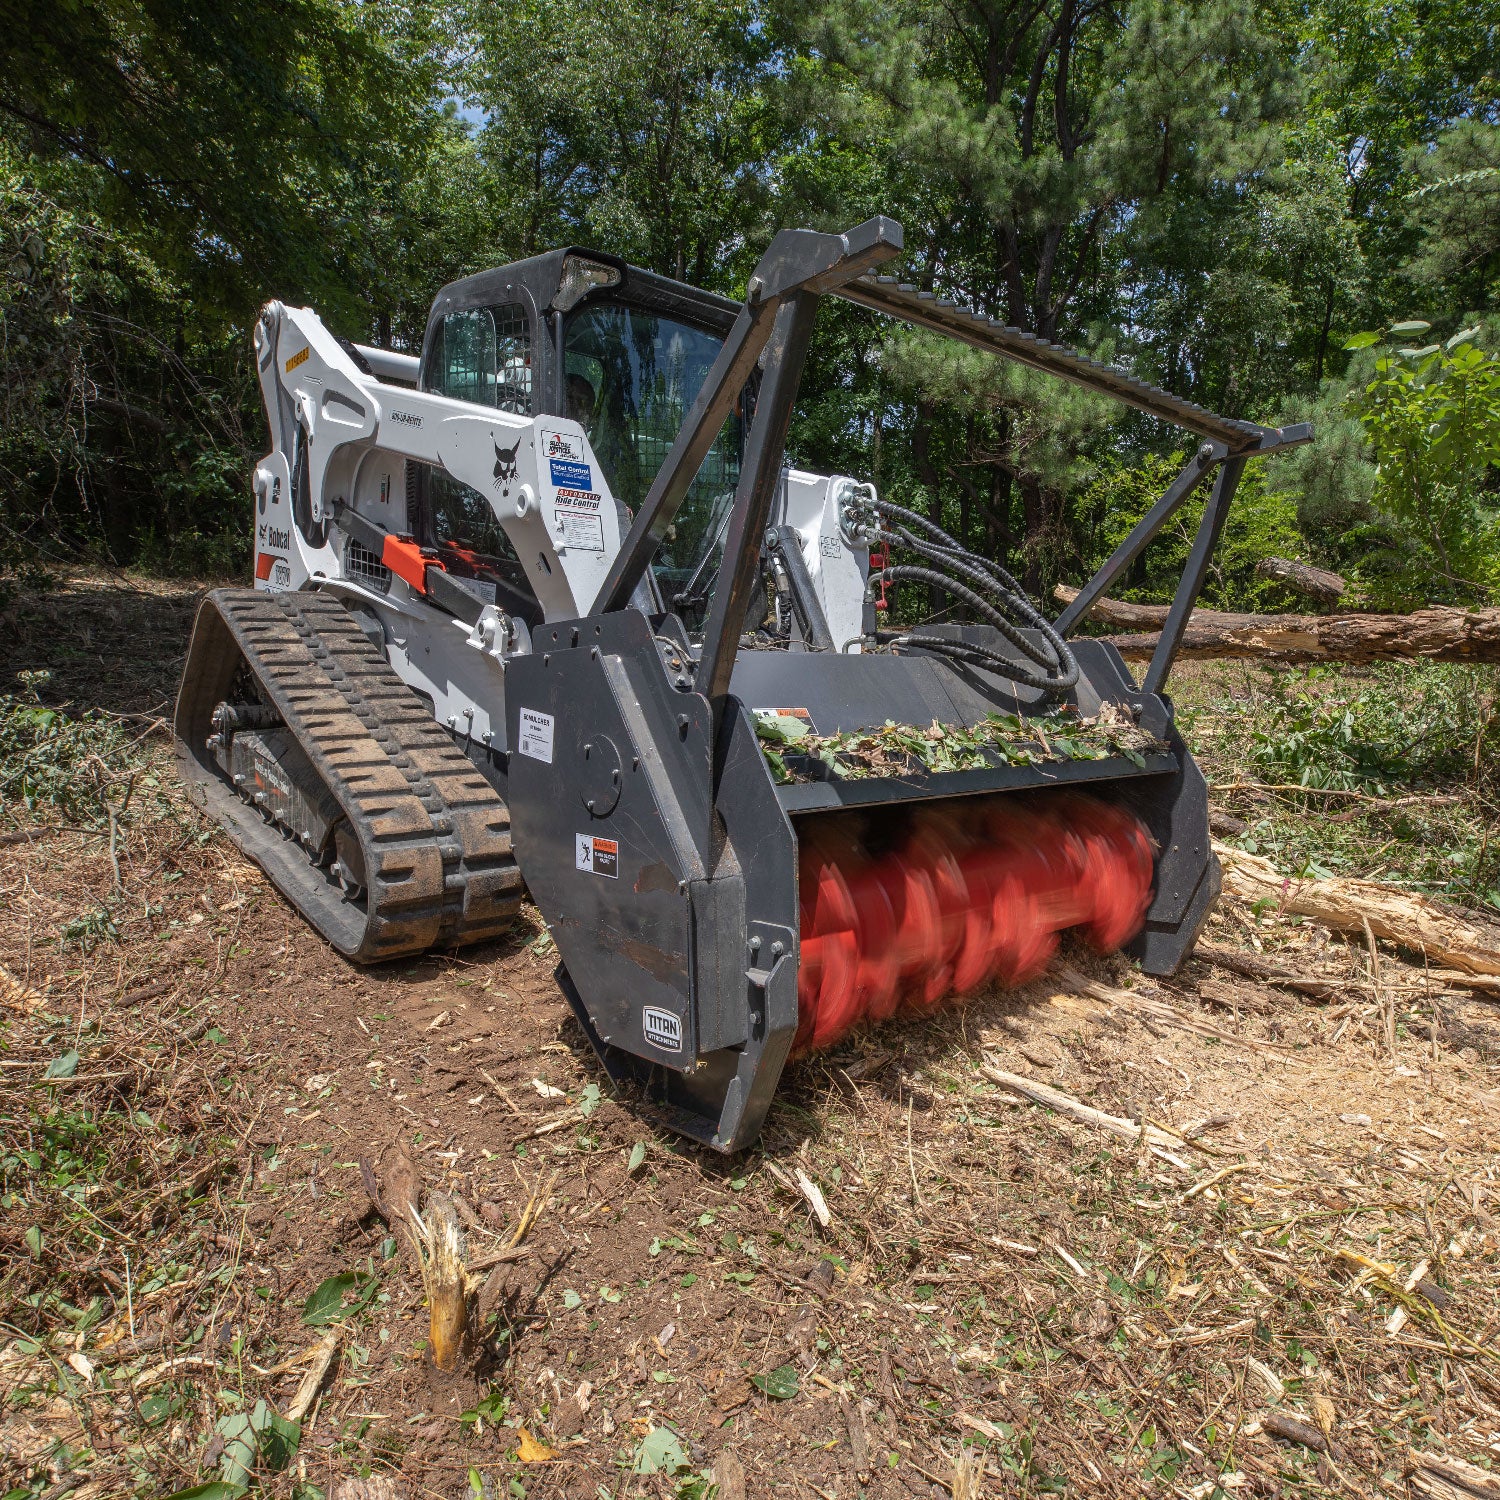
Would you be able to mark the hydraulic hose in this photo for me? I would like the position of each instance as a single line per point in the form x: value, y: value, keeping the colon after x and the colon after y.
x: 995, y: 596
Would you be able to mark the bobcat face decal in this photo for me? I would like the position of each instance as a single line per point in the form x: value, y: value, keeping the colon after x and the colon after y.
x: 505, y: 464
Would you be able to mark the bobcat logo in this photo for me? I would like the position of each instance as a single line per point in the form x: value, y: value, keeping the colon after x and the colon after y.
x: 505, y: 463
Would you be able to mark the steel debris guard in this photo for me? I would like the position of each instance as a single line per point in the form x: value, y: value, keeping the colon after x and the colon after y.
x: 960, y: 900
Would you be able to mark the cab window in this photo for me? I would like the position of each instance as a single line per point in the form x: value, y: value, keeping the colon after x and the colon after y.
x: 630, y: 379
x: 484, y: 356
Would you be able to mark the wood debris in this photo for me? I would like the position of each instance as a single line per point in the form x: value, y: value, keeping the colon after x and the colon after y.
x: 1440, y: 933
x: 1085, y: 1114
x: 322, y: 1354
x: 1149, y: 1009
x: 1440, y: 1477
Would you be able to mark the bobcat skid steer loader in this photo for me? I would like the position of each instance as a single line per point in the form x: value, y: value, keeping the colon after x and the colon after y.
x: 547, y: 610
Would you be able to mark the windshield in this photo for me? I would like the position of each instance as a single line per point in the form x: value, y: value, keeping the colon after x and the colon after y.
x: 631, y: 378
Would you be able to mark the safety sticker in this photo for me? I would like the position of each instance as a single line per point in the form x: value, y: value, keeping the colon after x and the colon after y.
x: 598, y: 856
x: 584, y: 533
x: 772, y: 714
x: 575, y: 475
x: 298, y: 359
x: 662, y: 1029
x: 535, y: 738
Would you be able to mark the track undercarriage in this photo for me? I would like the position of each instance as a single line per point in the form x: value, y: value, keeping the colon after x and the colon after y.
x: 332, y: 776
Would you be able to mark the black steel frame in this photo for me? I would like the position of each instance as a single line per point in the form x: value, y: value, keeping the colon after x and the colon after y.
x: 773, y: 330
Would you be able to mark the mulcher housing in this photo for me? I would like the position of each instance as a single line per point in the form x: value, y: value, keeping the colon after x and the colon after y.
x: 621, y: 767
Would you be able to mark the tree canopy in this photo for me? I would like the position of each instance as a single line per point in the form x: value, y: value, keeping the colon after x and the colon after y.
x: 1222, y: 198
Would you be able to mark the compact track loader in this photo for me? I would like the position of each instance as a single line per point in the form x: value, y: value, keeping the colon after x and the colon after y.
x: 547, y: 610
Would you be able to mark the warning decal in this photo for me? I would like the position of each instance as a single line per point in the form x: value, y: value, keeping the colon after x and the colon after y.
x: 598, y: 856
x: 583, y: 532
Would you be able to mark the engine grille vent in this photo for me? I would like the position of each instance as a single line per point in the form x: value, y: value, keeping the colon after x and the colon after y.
x: 362, y: 566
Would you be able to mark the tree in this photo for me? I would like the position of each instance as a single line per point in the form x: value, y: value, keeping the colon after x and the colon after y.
x: 1432, y: 414
x: 1455, y: 213
x: 1044, y: 132
x: 638, y: 127
x: 164, y: 170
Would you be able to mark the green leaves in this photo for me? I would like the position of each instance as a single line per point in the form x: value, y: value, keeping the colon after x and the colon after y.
x: 780, y: 1385
x: 259, y: 1435
x: 1003, y: 739
x: 779, y: 729
x: 494, y: 1408
x: 326, y: 1303
x: 660, y: 1452
x: 63, y: 1067
x: 1432, y: 416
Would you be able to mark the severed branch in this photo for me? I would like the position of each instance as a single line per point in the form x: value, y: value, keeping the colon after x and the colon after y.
x: 1085, y: 1114
x: 1439, y: 1477
x: 1318, y: 584
x: 1252, y: 966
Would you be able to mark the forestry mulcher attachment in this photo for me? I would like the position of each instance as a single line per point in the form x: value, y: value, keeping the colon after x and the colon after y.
x: 547, y: 609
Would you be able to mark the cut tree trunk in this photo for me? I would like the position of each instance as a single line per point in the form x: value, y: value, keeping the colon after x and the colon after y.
x: 1317, y: 583
x: 1439, y: 634
x: 1444, y: 935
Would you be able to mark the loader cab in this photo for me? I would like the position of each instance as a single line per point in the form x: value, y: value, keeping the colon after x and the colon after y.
x: 623, y: 352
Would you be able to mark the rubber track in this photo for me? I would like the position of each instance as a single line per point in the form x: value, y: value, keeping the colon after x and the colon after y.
x: 434, y: 833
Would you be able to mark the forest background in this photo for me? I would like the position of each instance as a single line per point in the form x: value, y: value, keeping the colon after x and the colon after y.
x: 1282, y: 210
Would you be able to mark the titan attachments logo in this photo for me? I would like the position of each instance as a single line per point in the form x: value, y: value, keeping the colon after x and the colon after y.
x: 662, y: 1029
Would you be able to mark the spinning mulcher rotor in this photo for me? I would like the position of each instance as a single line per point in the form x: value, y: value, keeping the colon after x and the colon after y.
x: 517, y: 619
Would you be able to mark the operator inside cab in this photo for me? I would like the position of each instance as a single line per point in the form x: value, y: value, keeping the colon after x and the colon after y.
x: 581, y: 402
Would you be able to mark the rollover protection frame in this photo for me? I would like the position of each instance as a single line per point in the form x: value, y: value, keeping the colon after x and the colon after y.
x: 651, y: 833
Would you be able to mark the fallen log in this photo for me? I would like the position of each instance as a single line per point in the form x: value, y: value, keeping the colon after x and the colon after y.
x: 1438, y: 634
x: 1119, y: 612
x: 1442, y: 934
x: 1316, y: 583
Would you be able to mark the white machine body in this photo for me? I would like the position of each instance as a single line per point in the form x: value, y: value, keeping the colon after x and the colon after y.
x: 345, y: 436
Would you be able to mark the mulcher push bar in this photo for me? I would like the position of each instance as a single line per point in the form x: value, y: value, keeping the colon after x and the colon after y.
x: 773, y: 330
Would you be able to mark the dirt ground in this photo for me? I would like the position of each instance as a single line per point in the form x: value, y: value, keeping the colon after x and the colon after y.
x: 1005, y: 1301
